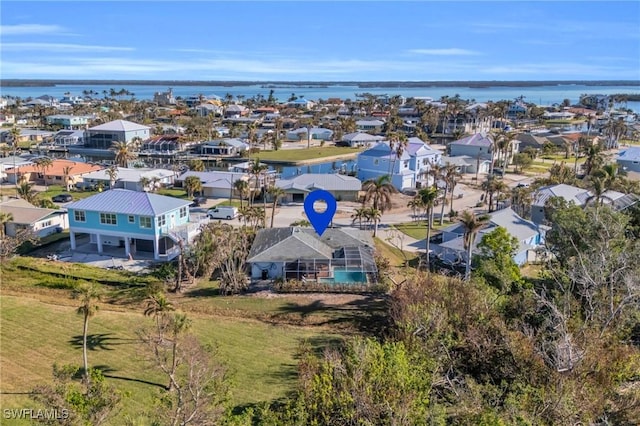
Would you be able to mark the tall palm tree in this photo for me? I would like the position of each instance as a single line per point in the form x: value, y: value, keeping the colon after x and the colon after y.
x: 26, y: 192
x: 88, y: 294
x: 144, y: 183
x: 500, y: 188
x: 275, y: 193
x: 374, y: 215
x: 112, y: 172
x: 4, y: 219
x: 257, y: 170
x: 241, y: 186
x: 123, y: 153
x: 358, y: 215
x: 197, y: 165
x: 428, y: 197
x: 44, y: 164
x: 472, y: 225
x: 452, y: 175
x: 379, y: 191
x: 446, y: 172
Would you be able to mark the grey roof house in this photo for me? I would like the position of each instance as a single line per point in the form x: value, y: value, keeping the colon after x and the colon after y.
x: 104, y: 135
x: 629, y: 159
x: 339, y: 256
x: 342, y: 187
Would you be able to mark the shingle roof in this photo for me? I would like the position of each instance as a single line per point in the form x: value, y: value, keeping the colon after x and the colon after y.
x: 570, y: 193
x: 330, y: 182
x: 125, y: 201
x: 120, y: 126
x: 477, y: 139
x: 26, y: 214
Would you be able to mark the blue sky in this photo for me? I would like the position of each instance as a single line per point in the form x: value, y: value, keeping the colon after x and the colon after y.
x: 328, y: 41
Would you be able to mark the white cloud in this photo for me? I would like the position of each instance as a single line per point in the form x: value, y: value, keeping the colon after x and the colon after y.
x: 24, y: 29
x: 62, y: 47
x: 445, y: 52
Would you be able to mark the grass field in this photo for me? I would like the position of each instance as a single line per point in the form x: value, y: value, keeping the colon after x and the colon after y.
x: 305, y: 154
x: 418, y: 229
x: 257, y: 337
x: 173, y: 192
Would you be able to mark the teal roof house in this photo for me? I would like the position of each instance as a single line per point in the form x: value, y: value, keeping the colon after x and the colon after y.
x: 124, y: 223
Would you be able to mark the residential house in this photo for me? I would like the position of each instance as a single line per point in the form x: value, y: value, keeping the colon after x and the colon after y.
x: 55, y: 174
x: 131, y: 179
x: 629, y: 159
x: 339, y: 256
x: 370, y: 126
x: 66, y: 138
x: 34, y: 136
x: 7, y: 118
x: 303, y: 133
x: 164, y: 144
x: 104, y: 135
x: 68, y: 121
x: 227, y: 146
x: 164, y: 98
x: 12, y: 162
x: 408, y: 170
x: 531, y: 140
x: 342, y: 187
x: 41, y: 222
x: 301, y: 103
x: 128, y: 223
x: 235, y: 111
x: 577, y: 196
x: 449, y: 245
x: 476, y: 149
x: 220, y: 184
x: 208, y: 109
x: 360, y: 139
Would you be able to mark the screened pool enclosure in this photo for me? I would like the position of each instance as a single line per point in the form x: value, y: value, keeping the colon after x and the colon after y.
x: 349, y: 265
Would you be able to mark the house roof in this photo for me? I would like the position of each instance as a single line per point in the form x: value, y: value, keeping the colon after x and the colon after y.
x: 382, y: 150
x: 129, y: 175
x: 369, y: 123
x: 292, y: 243
x: 234, y: 142
x: 120, y: 126
x: 24, y: 213
x: 477, y: 139
x: 361, y: 137
x: 329, y: 182
x: 416, y: 144
x: 57, y: 168
x: 629, y: 154
x: 216, y: 179
x: 125, y: 201
x: 529, y: 139
x: 570, y: 193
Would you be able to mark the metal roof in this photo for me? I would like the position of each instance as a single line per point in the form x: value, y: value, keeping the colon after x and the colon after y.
x: 125, y: 201
x: 120, y: 126
x: 330, y: 182
x: 477, y: 139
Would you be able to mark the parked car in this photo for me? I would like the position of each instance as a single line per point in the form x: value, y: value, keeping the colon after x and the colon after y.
x: 498, y: 171
x: 198, y: 201
x: 223, y: 212
x: 62, y: 198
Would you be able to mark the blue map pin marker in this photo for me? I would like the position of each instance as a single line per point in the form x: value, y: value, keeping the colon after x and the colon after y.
x: 320, y: 221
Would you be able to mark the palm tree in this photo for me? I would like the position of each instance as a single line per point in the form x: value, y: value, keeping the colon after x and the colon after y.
x: 66, y: 172
x: 197, y: 165
x: 452, y: 175
x: 112, y: 172
x: 415, y: 204
x: 241, y: 186
x: 500, y: 188
x: 445, y: 173
x: 257, y: 170
x: 145, y: 181
x: 192, y: 184
x: 374, y: 215
x: 123, y: 153
x: 157, y: 305
x: 44, y: 163
x: 472, y: 225
x: 25, y: 190
x: 88, y: 294
x: 379, y: 192
x: 428, y: 197
x: 598, y: 185
x: 358, y: 215
x: 4, y: 219
x: 276, y: 193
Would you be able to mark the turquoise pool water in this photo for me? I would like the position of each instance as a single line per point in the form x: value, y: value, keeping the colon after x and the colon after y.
x: 344, y: 276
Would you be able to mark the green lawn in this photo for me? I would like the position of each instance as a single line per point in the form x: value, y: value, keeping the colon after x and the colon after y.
x: 418, y: 229
x: 173, y: 192
x: 258, y: 338
x: 53, y: 190
x: 305, y: 154
x: 232, y: 203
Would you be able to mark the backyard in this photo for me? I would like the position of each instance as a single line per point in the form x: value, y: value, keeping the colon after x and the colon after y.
x: 304, y: 154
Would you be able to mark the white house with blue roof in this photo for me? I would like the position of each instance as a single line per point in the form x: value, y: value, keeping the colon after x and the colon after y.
x: 408, y: 170
x: 138, y: 222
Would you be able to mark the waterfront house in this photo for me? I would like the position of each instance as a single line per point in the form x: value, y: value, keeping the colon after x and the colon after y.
x: 104, y: 135
x: 303, y: 133
x: 342, y: 187
x: 227, y: 147
x: 13, y: 162
x: 164, y: 98
x: 235, y: 111
x: 40, y: 221
x: 34, y: 136
x: 370, y: 126
x: 66, y: 138
x: 208, y: 109
x: 68, y: 121
x: 448, y: 246
x: 407, y: 170
x: 59, y: 169
x: 339, y: 256
x: 219, y: 184
x: 360, y: 139
x: 127, y: 223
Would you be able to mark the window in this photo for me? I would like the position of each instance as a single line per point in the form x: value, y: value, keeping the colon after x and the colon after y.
x: 145, y: 222
x: 183, y: 211
x: 406, y: 163
x: 162, y: 220
x: 46, y: 223
x: 78, y: 216
x: 108, y: 219
x: 132, y: 219
x: 375, y: 162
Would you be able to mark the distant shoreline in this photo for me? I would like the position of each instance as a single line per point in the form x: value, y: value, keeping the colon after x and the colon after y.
x: 307, y: 84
